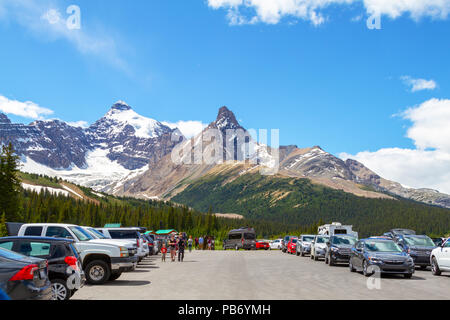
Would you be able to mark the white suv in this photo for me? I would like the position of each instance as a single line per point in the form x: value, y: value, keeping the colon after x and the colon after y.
x: 131, y: 234
x: 319, y: 247
x: 440, y: 259
x: 101, y: 261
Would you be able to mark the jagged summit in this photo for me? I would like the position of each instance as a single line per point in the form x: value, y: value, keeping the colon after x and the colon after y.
x: 4, y: 118
x: 225, y: 120
x: 120, y: 106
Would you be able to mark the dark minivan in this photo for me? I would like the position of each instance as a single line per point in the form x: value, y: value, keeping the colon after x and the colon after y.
x: 243, y: 238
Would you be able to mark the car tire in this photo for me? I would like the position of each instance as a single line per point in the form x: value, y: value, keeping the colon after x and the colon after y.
x: 423, y: 267
x: 365, y: 269
x: 331, y: 262
x: 408, y: 275
x: 60, y: 290
x: 114, y: 276
x: 298, y: 253
x: 350, y: 266
x: 316, y: 258
x: 435, y: 267
x: 97, y: 272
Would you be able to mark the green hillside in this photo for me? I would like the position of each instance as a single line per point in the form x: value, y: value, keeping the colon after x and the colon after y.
x: 299, y: 202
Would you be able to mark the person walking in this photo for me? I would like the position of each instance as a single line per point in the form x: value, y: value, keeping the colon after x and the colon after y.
x: 172, y: 247
x: 163, y: 252
x: 190, y: 243
x: 181, y: 246
x: 209, y: 243
x: 200, y: 242
x: 196, y: 243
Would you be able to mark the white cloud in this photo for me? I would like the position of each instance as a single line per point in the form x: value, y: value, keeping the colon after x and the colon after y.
x: 188, y: 128
x: 25, y: 109
x: 419, y: 84
x: 427, y: 166
x: 272, y: 11
x: 48, y: 22
x: 79, y: 124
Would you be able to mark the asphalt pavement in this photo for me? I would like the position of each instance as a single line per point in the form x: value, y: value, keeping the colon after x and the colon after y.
x: 260, y: 275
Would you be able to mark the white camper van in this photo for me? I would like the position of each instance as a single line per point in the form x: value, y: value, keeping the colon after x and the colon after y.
x: 336, y: 228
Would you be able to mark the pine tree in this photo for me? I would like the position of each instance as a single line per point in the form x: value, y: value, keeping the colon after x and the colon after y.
x: 3, y: 231
x: 10, y: 184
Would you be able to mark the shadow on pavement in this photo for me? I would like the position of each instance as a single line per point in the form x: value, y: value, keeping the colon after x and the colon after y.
x: 127, y: 283
x: 147, y: 267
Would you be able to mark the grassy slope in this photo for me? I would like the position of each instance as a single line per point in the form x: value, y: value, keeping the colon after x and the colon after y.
x: 298, y: 201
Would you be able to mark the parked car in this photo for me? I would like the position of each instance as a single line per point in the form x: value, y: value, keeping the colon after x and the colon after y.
x: 292, y: 246
x: 440, y: 258
x: 275, y: 244
x: 151, y: 244
x: 339, y: 249
x: 100, y: 261
x: 24, y: 278
x: 129, y: 244
x: 380, y: 255
x: 319, y: 247
x: 243, y: 238
x: 285, y: 242
x: 262, y: 244
x: 304, y: 244
x: 64, y: 268
x: 394, y: 232
x: 131, y: 234
x: 438, y: 241
x: 418, y: 247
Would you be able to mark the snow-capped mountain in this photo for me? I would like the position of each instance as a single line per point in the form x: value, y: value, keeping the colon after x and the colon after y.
x: 165, y: 179
x: 121, y: 144
x: 124, y: 153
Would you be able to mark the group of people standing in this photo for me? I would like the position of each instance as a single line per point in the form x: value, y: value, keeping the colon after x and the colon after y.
x: 204, y: 243
x: 178, y: 243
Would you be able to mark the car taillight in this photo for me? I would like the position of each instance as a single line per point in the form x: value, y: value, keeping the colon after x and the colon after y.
x: 71, y: 261
x: 26, y: 273
x: 137, y: 243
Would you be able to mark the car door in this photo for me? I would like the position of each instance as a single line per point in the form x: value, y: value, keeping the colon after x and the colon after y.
x: 357, y: 255
x: 445, y: 255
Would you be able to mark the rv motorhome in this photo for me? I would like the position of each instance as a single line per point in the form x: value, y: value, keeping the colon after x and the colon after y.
x: 336, y: 228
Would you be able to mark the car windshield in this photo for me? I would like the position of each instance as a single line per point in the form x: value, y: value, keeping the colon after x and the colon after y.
x: 419, y: 241
x: 307, y: 238
x: 382, y: 246
x: 321, y: 239
x: 96, y: 233
x: 344, y: 240
x: 81, y: 234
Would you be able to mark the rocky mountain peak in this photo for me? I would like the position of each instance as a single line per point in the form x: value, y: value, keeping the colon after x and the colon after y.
x: 225, y: 120
x: 4, y: 118
x: 120, y: 106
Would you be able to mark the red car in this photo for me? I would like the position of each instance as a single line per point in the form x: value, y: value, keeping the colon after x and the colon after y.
x: 260, y: 244
x: 292, y: 246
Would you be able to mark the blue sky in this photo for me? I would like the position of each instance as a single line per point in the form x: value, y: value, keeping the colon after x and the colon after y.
x: 330, y: 82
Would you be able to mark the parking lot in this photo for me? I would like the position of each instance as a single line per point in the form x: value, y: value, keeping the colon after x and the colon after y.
x: 247, y: 275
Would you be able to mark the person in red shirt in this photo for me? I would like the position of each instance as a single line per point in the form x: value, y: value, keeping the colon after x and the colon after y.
x: 163, y: 252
